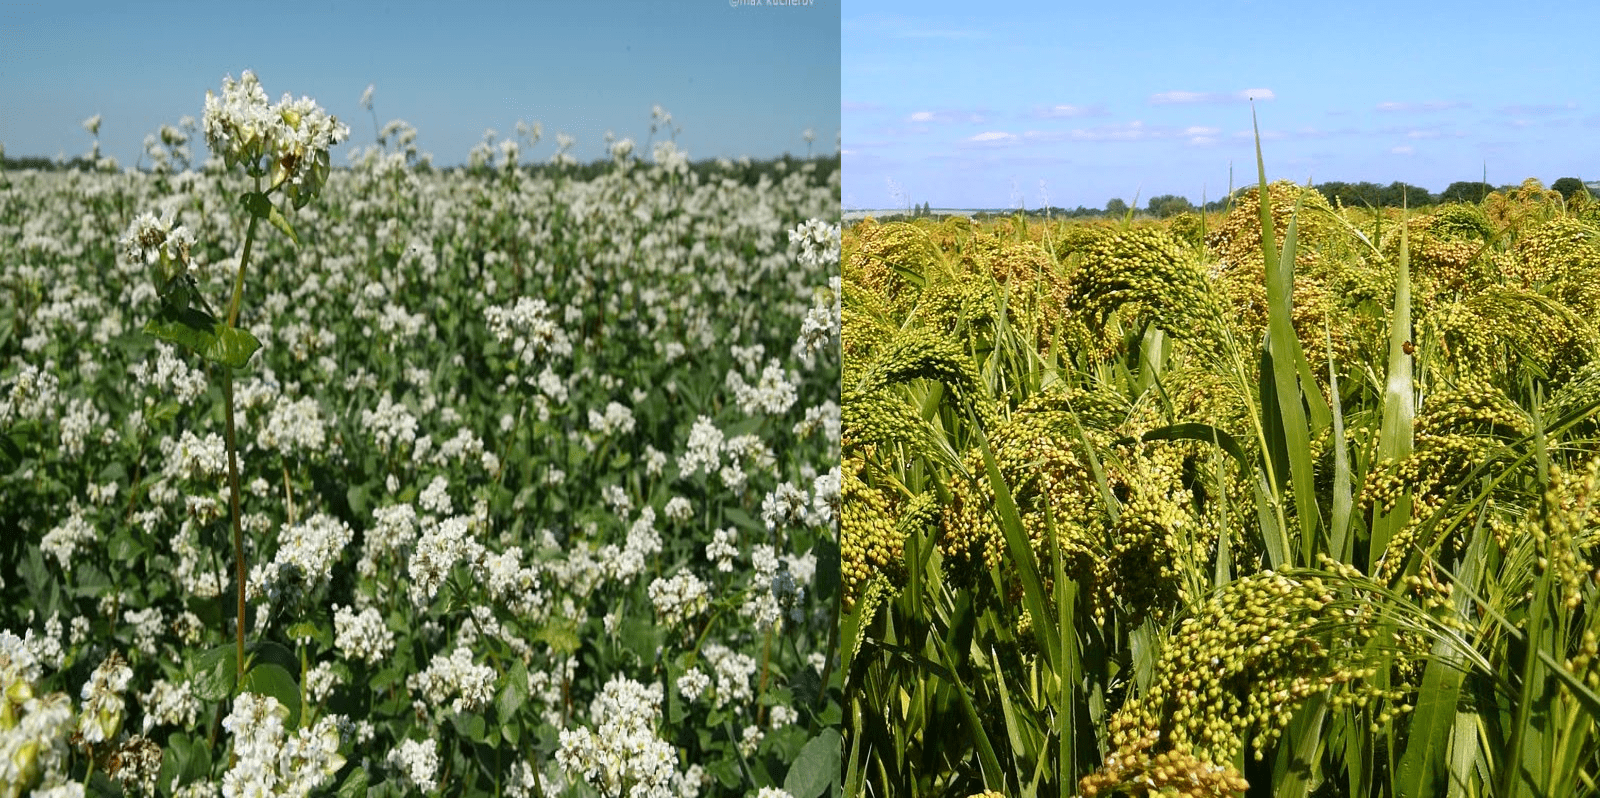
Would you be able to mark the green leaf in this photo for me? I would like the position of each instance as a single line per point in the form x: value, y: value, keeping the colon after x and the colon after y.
x: 200, y: 332
x: 513, y: 691
x: 472, y: 726
x: 1205, y: 433
x: 355, y: 784
x: 216, y: 672
x: 817, y: 766
x: 261, y: 207
x: 272, y: 679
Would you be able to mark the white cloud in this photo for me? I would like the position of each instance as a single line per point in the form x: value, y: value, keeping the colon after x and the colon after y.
x: 1177, y: 97
x: 1173, y: 97
x: 948, y: 117
x: 1064, y: 111
x: 1432, y: 105
x: 994, y: 137
x: 1201, y: 131
x: 1402, y: 150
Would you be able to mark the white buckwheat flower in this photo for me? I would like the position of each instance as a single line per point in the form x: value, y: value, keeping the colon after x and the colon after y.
x: 471, y: 685
x: 419, y: 761
x: 364, y: 637
x: 704, y: 449
x: 101, y: 717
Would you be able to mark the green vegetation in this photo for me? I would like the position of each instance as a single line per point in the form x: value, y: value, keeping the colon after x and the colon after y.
x: 1293, y: 498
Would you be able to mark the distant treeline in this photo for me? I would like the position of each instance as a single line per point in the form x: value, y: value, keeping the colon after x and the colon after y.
x: 1357, y: 195
x: 747, y: 172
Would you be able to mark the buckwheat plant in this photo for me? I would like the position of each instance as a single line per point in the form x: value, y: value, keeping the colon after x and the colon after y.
x: 283, y: 149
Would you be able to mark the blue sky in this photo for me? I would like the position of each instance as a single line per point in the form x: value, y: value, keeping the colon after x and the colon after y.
x: 972, y: 105
x: 738, y: 80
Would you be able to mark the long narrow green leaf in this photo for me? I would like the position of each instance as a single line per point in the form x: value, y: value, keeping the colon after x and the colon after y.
x: 1434, y: 721
x: 1022, y: 556
x: 1294, y: 440
x: 1339, y: 544
x: 1294, y: 772
x: 1399, y: 404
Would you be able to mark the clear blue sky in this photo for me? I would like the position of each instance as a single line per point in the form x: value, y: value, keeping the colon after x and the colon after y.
x: 738, y: 80
x: 972, y: 104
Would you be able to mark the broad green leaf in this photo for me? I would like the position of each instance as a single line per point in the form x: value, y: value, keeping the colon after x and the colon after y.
x: 817, y: 766
x: 261, y: 207
x: 272, y: 679
x: 354, y: 785
x: 216, y: 673
x: 203, y: 334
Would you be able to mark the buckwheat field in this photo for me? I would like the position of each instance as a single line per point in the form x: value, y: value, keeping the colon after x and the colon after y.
x: 1294, y: 499
x: 522, y: 480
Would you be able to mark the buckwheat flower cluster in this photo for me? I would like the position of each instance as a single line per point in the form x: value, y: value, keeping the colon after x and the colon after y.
x: 442, y: 545
x: 530, y: 330
x: 419, y: 761
x: 270, y: 762
x: 77, y: 423
x: 773, y: 395
x: 320, y: 681
x: 391, y: 423
x: 761, y: 603
x: 679, y: 598
x: 436, y: 497
x: 456, y: 678
x: 152, y: 239
x: 63, y: 540
x: 704, y: 451
x: 101, y: 716
x: 693, y: 683
x: 194, y: 458
x: 820, y: 328
x: 622, y: 754
x: 293, y: 427
x: 305, y: 557
x: 784, y: 507
x: 33, y: 735
x: 32, y: 396
x: 294, y: 136
x: 393, y: 530
x: 362, y: 637
x: 733, y: 671
x: 169, y: 703
x: 818, y: 242
x: 723, y: 548
x: 516, y: 586
x: 169, y: 375
x: 678, y: 509
x: 618, y: 420
x: 148, y: 625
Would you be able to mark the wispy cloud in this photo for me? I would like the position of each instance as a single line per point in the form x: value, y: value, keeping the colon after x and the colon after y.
x: 1432, y: 105
x: 1067, y: 111
x: 1201, y: 135
x: 994, y: 137
x: 1245, y: 95
x: 947, y: 117
x: 1402, y: 150
x: 1537, y: 110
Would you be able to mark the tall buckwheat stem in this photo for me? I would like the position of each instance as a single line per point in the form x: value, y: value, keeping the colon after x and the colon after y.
x: 233, y: 451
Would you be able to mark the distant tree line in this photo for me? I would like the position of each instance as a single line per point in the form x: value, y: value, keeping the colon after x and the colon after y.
x: 1356, y: 195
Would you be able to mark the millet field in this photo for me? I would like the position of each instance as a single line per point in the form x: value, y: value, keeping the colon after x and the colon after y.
x: 1288, y: 500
